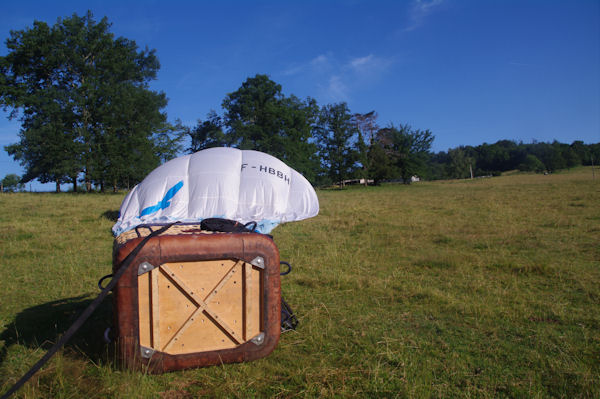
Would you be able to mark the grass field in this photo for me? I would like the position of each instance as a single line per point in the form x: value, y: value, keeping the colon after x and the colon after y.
x: 472, y: 288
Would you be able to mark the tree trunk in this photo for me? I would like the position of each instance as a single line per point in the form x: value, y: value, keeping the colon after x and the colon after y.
x: 74, y: 184
x: 115, y: 186
x: 57, y: 185
x: 88, y: 183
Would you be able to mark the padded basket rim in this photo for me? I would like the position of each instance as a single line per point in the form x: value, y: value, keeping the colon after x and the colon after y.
x: 145, y: 229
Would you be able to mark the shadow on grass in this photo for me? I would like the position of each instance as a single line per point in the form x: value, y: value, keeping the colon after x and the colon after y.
x: 39, y: 327
x: 113, y: 216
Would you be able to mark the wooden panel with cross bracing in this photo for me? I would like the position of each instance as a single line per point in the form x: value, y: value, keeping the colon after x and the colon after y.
x: 188, y: 307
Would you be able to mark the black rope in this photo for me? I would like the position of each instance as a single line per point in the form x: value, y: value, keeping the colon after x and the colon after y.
x: 289, y: 321
x: 253, y: 224
x: 100, y: 286
x: 288, y: 270
x: 86, y: 313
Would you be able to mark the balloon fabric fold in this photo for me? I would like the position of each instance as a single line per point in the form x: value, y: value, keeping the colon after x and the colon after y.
x: 241, y: 185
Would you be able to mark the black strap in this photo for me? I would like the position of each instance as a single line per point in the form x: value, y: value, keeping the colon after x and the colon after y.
x: 227, y: 225
x: 86, y: 313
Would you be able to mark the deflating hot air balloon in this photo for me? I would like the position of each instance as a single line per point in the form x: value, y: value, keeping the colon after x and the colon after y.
x: 241, y: 185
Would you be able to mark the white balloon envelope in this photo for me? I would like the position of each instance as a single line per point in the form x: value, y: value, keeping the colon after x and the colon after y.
x: 241, y: 185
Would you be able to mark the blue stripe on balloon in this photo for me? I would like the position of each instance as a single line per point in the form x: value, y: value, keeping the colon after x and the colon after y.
x: 164, y: 203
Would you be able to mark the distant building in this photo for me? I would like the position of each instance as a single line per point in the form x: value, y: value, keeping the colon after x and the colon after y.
x: 357, y: 181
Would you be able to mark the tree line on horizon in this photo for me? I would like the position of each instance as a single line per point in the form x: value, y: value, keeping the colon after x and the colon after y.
x: 507, y: 155
x: 88, y: 115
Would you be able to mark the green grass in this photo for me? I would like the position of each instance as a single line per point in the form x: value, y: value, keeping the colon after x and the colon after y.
x: 472, y: 288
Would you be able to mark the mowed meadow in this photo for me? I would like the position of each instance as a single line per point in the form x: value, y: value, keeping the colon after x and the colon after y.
x: 470, y: 288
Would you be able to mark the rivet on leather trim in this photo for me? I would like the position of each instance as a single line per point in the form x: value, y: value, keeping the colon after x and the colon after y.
x: 144, y: 267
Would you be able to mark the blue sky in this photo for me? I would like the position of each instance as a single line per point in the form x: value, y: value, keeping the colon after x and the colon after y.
x: 470, y: 71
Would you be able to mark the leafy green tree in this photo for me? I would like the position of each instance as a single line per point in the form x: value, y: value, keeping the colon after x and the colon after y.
x: 508, y: 155
x: 258, y: 116
x: 594, y: 158
x: 570, y: 156
x: 298, y: 149
x: 130, y: 146
x: 252, y: 114
x: 81, y: 95
x: 366, y: 125
x: 206, y: 134
x: 409, y: 149
x: 498, y: 157
x: 532, y: 164
x: 552, y: 157
x: 381, y: 167
x: 11, y: 183
x: 582, y: 151
x: 47, y: 149
x: 336, y: 135
x: 437, y: 165
x: 459, y: 164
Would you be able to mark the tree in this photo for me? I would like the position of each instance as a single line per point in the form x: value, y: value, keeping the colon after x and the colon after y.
x: 82, y: 97
x: 460, y: 164
x: 498, y: 157
x: 581, y: 151
x: 507, y: 155
x: 366, y: 125
x: 298, y: 149
x: 553, y: 157
x: 336, y: 136
x: 381, y: 164
x: 47, y: 151
x: 206, y: 134
x: 252, y: 114
x: 409, y: 149
x: 532, y: 164
x: 570, y: 156
x: 11, y: 183
x: 259, y: 117
x: 594, y: 158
